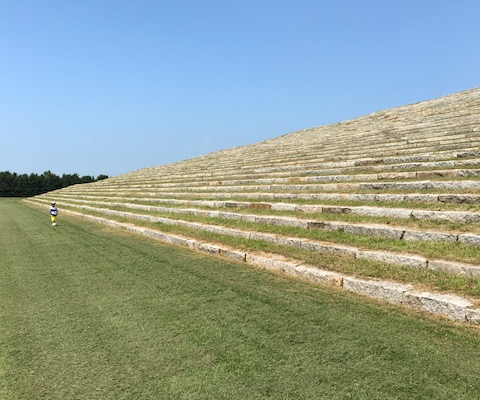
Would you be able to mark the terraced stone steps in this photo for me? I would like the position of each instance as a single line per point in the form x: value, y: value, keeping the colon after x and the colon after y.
x: 216, y: 169
x: 413, y: 261
x: 398, y: 213
x: 453, y: 307
x: 403, y: 187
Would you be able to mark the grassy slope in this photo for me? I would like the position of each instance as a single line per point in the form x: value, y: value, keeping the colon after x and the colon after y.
x: 89, y: 314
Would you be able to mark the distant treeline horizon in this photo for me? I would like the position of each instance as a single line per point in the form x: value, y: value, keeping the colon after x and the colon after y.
x: 26, y: 185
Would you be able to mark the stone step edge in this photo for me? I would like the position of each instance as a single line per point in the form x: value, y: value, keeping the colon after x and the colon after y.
x: 362, y: 177
x: 235, y: 174
x: 319, y: 187
x: 366, y: 229
x: 405, y: 260
x: 320, y: 163
x: 391, y: 212
x: 416, y: 171
x: 448, y: 198
x: 450, y: 306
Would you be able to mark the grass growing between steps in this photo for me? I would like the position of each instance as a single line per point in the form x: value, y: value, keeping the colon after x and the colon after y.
x: 453, y: 251
x: 414, y: 223
x: 93, y: 314
x: 426, y: 279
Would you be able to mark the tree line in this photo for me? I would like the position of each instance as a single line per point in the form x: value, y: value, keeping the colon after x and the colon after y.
x: 24, y: 185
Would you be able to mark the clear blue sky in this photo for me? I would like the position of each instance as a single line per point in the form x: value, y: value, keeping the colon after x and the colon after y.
x: 111, y: 86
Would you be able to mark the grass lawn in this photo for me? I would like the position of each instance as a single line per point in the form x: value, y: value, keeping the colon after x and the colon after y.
x: 87, y: 313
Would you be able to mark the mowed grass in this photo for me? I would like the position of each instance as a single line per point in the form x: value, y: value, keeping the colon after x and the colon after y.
x: 87, y: 313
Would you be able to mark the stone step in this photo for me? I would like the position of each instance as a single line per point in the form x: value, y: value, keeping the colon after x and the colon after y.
x: 448, y: 305
x: 398, y: 213
x: 406, y: 260
x: 423, y: 185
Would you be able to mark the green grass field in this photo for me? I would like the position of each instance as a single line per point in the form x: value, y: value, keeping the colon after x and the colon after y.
x: 87, y: 313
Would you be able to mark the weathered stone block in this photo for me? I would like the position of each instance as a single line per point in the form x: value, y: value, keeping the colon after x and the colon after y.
x: 319, y: 276
x: 282, y: 221
x: 453, y: 216
x: 319, y: 225
x: 473, y: 316
x: 310, y: 208
x: 345, y: 251
x: 469, y: 238
x: 388, y: 291
x: 429, y: 236
x: 361, y: 197
x: 271, y: 263
x: 209, y: 248
x: 469, y: 172
x: 448, y: 305
x: 290, y: 241
x: 459, y: 198
x: 234, y: 255
x: 176, y: 240
x: 193, y: 244
x: 260, y: 206
x: 410, y: 261
x: 437, y: 174
x: 390, y: 197
x: 422, y: 198
x: 268, y: 237
x: 455, y: 268
x: 369, y: 161
x: 382, y: 212
x: 336, y: 210
x: 284, y: 207
x: 155, y: 234
x: 374, y: 230
x: 397, y: 175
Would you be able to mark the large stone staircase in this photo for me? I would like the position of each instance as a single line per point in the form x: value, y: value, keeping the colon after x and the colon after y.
x: 386, y: 205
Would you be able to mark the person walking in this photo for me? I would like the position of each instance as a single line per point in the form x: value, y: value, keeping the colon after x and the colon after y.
x: 53, y: 213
